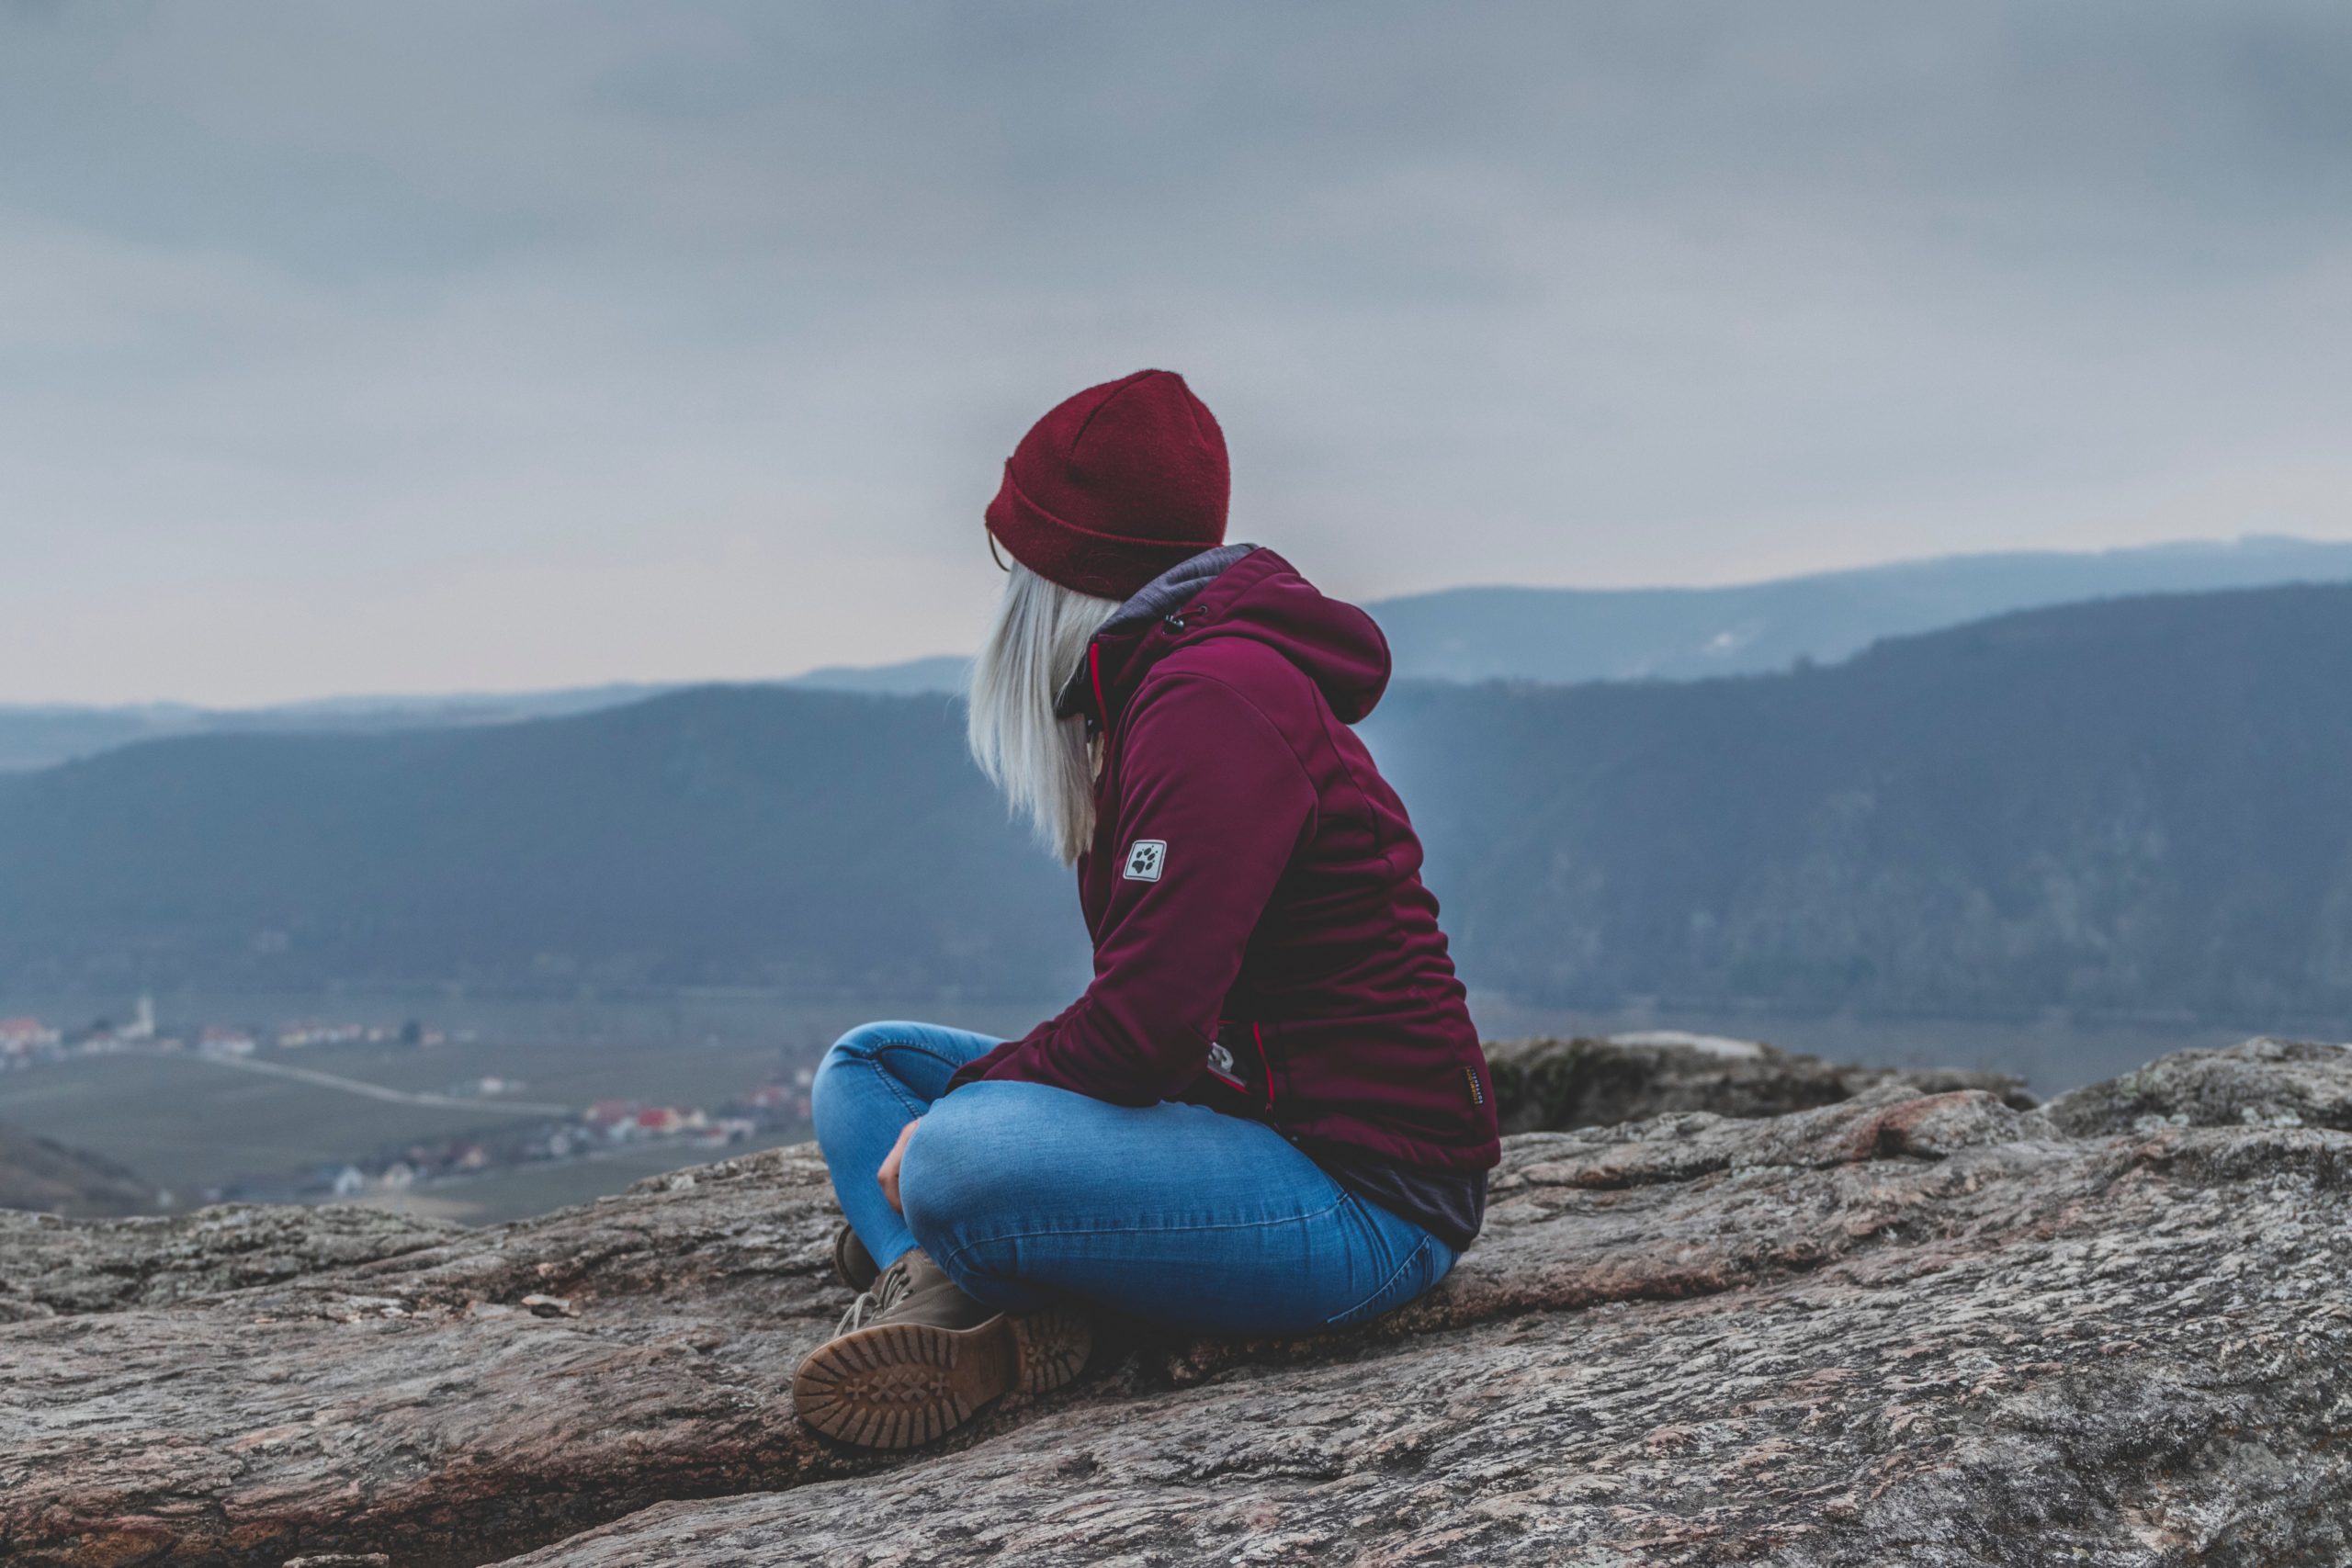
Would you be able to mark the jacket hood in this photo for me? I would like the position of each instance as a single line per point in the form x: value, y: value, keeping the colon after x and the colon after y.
x: 1234, y: 590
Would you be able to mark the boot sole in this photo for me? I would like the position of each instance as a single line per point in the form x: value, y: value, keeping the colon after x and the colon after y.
x: 900, y: 1385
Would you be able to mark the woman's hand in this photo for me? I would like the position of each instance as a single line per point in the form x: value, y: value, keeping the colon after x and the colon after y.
x: 889, y: 1175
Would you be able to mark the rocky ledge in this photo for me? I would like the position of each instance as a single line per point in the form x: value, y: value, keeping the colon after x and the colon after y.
x: 1918, y: 1324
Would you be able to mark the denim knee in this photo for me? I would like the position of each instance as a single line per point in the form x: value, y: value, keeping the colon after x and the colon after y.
x: 856, y: 1047
x: 960, y: 1185
x: 944, y: 1176
x: 863, y: 1040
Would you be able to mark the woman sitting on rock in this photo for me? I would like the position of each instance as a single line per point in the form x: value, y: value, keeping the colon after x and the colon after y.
x: 1269, y: 1113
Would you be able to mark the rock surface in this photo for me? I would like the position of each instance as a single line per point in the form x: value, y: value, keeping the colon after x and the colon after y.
x: 53, y: 1267
x: 1907, y: 1327
x: 2263, y: 1083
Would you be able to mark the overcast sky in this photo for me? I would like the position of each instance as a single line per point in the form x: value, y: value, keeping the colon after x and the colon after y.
x: 449, y: 346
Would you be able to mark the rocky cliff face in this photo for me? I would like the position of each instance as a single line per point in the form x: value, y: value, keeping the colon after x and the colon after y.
x: 1910, y: 1327
x: 1553, y: 1085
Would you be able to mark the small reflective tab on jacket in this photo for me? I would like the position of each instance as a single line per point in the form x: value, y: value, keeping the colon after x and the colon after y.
x: 1477, y: 1094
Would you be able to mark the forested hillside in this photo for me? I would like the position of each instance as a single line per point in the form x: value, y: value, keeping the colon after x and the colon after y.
x: 2136, y: 805
x: 807, y: 839
x: 2131, y: 805
x: 40, y: 1173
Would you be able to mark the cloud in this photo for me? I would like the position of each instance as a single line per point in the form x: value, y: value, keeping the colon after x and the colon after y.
x: 444, y: 346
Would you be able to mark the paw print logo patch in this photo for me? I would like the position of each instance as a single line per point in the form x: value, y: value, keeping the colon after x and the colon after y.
x: 1145, y: 859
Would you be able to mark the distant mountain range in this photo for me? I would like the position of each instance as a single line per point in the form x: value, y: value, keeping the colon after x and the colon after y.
x: 1568, y: 634
x: 42, y: 735
x: 1557, y: 635
x: 2133, y: 805
x: 941, y: 675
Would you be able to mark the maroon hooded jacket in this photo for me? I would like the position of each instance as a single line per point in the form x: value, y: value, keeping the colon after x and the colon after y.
x: 1262, y: 941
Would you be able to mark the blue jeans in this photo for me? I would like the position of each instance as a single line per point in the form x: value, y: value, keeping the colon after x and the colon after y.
x: 1175, y: 1213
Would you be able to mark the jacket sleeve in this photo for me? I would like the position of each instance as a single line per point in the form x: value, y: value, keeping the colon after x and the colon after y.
x: 1203, y: 775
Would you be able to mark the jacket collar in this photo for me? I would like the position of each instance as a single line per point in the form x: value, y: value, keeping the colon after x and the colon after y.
x: 1097, y: 686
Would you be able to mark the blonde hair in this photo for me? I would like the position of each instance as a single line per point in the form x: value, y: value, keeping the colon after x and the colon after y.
x: 1042, y: 763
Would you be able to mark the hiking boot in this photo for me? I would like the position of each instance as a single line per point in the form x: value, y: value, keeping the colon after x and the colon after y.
x: 915, y: 1358
x: 851, y: 1263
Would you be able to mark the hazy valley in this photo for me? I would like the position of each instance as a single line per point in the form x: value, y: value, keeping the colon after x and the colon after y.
x: 2055, y: 843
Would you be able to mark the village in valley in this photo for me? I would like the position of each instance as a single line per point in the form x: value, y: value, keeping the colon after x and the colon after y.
x: 537, y: 1134
x: 606, y: 1126
x: 25, y: 1041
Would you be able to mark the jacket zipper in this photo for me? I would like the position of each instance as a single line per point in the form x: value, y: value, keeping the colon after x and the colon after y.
x: 1258, y: 1038
x: 1102, y: 712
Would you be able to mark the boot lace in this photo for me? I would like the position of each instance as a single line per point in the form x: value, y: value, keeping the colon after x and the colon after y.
x: 888, y: 1286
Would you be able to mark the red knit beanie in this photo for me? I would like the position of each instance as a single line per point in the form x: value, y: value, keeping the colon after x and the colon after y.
x: 1116, y: 486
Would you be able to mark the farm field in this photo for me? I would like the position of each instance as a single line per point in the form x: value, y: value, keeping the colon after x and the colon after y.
x: 190, y: 1124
